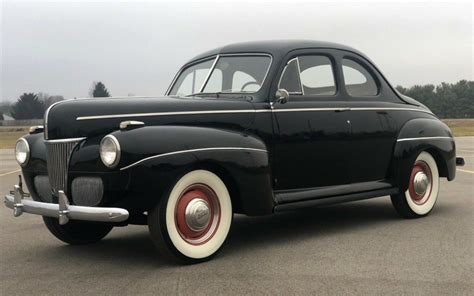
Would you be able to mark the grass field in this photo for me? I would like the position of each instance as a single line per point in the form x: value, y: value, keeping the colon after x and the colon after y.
x: 9, y: 135
x: 461, y: 127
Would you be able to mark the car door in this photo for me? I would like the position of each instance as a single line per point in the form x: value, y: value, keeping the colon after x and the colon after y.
x: 311, y: 130
x: 372, y: 117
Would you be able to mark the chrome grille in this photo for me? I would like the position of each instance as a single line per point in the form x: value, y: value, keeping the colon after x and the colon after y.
x: 59, y: 153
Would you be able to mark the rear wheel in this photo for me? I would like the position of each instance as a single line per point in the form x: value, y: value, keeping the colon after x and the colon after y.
x: 423, y: 187
x: 191, y: 223
x: 77, y: 232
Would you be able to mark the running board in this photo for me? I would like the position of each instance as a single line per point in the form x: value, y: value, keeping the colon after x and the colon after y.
x: 297, y: 195
x: 334, y: 200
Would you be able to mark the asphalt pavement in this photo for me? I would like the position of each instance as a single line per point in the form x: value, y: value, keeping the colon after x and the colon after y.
x: 354, y: 248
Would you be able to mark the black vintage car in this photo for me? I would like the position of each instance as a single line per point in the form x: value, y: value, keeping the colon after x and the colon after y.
x: 253, y: 128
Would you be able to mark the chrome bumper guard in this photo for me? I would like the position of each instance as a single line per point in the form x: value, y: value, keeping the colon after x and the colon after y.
x: 63, y: 211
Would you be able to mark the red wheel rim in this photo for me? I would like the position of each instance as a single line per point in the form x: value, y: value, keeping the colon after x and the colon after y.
x: 197, y: 214
x: 420, y: 174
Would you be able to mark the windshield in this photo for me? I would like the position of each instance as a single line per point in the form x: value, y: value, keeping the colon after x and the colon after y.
x: 229, y: 74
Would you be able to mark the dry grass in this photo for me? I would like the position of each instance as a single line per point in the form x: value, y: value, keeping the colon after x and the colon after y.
x: 461, y: 127
x: 9, y: 134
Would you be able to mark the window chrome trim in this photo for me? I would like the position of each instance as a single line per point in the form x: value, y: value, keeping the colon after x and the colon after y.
x: 299, y: 75
x: 95, y: 117
x: 424, y: 138
x: 208, y: 74
x: 184, y: 67
x: 190, y: 151
x: 283, y: 73
x: 217, y: 57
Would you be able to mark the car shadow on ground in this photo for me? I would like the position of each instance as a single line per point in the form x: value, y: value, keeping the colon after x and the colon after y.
x: 134, y: 247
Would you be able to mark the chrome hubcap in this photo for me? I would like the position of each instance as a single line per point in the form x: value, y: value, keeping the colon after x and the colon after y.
x: 197, y: 214
x: 420, y: 183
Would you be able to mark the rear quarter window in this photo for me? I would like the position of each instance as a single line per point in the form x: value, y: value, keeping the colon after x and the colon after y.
x: 358, y: 81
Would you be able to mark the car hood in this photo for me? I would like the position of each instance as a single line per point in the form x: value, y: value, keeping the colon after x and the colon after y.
x: 97, y: 116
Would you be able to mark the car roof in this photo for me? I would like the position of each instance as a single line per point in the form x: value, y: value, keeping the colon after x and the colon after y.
x: 274, y: 47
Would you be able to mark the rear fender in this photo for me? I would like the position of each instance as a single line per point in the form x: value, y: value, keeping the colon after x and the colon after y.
x: 423, y: 134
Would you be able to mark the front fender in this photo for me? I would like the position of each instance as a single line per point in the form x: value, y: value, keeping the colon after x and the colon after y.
x: 155, y: 157
x: 423, y: 134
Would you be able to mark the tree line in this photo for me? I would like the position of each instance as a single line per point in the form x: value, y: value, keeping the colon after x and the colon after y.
x: 446, y: 100
x: 33, y: 105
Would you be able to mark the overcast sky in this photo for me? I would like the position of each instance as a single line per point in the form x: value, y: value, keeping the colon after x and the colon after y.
x: 136, y: 47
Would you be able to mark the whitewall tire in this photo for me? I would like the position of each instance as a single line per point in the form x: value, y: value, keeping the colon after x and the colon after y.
x: 192, y: 220
x: 423, y: 188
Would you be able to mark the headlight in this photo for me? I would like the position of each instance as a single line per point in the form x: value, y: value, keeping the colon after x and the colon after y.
x: 110, y: 151
x: 22, y: 151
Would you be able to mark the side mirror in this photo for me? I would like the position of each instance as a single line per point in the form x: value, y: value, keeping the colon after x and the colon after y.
x: 282, y: 96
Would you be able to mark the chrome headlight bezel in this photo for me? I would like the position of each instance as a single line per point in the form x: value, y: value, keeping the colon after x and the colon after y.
x: 22, y: 141
x: 110, y: 140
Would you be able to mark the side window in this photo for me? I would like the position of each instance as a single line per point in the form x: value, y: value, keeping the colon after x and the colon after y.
x: 191, y: 79
x: 242, y: 81
x: 309, y: 75
x: 214, y: 84
x: 358, y: 81
x: 317, y: 76
x: 290, y: 78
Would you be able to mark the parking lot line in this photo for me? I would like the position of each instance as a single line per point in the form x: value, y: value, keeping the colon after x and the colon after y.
x: 9, y: 173
x: 466, y: 171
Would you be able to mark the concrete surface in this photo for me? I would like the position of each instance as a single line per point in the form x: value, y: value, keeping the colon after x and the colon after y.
x: 355, y: 248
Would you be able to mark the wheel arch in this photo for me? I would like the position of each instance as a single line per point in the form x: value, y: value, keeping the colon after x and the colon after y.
x: 244, y: 167
x: 226, y: 177
x: 418, y: 135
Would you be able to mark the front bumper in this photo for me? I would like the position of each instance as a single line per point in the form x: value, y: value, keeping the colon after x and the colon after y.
x: 63, y: 211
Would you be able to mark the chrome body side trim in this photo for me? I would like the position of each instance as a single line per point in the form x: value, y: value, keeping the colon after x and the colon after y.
x: 424, y: 138
x: 62, y: 211
x: 352, y: 109
x: 246, y: 111
x: 190, y: 151
x: 163, y: 114
x: 66, y: 140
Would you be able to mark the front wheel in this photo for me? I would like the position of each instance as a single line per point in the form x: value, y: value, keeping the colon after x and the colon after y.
x: 77, y: 232
x: 192, y: 221
x: 423, y: 187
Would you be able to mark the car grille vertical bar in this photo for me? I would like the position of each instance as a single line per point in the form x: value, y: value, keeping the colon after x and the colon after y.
x: 59, y: 153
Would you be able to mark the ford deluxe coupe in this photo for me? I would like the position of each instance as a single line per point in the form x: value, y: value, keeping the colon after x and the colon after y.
x: 252, y: 128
